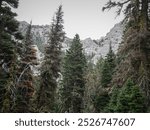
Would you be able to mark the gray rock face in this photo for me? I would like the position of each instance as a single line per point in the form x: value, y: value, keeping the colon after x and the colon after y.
x: 94, y: 49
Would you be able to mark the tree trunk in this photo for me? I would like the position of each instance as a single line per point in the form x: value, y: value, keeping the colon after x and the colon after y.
x: 144, y: 16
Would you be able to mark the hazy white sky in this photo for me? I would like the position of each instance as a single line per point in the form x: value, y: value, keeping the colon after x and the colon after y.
x: 80, y: 16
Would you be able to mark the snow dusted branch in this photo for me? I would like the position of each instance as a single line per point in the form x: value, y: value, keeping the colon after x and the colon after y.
x: 26, y: 68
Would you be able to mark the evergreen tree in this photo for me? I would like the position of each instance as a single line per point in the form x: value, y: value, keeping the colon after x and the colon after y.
x: 101, y: 100
x: 73, y: 77
x: 112, y: 105
x: 91, y: 83
x: 24, y: 84
x: 128, y: 99
x: 108, y: 68
x: 134, y: 52
x: 51, y: 66
x: 131, y: 99
x: 93, y: 86
x: 8, y: 44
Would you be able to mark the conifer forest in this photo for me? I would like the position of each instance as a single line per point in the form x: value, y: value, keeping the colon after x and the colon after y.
x: 69, y: 82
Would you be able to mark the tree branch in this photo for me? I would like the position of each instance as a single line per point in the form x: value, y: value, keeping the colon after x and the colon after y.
x: 110, y: 4
x: 26, y: 67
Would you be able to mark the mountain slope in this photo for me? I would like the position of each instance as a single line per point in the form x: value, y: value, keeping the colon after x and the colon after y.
x: 94, y: 49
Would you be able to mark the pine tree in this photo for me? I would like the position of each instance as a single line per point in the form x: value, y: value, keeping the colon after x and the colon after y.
x: 92, y: 85
x: 135, y: 50
x: 130, y: 99
x: 108, y: 68
x: 73, y: 77
x: 24, y: 84
x: 101, y: 100
x: 51, y: 66
x: 112, y: 105
x: 8, y: 44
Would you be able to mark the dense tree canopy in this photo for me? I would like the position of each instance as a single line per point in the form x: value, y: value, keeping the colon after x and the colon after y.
x: 67, y: 81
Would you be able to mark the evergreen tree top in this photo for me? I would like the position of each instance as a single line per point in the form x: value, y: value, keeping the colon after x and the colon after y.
x: 57, y: 34
x: 76, y: 39
x: 110, y: 54
x: 28, y: 37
